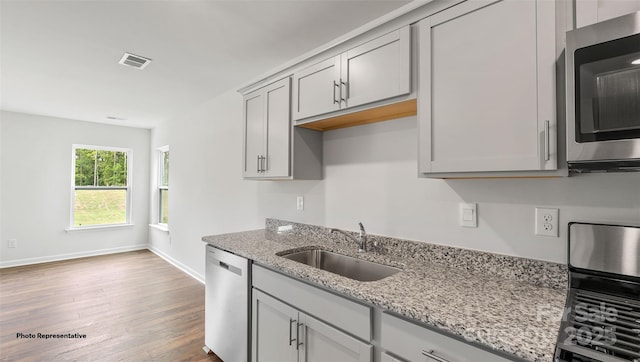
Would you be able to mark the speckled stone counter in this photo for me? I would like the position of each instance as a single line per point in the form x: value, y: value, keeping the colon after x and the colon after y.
x: 505, y: 303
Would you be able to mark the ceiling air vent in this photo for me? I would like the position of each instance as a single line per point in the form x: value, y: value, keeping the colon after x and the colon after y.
x: 134, y: 61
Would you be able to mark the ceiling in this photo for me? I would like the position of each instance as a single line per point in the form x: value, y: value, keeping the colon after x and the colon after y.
x: 60, y: 58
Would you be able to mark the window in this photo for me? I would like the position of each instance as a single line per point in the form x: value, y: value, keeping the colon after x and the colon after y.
x: 163, y: 186
x: 101, y: 186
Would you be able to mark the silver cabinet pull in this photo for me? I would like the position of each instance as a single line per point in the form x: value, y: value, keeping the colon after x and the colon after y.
x: 336, y: 85
x: 298, y: 335
x: 346, y: 91
x: 264, y: 164
x: 291, y: 340
x: 547, y: 151
x: 430, y: 353
x: 258, y: 165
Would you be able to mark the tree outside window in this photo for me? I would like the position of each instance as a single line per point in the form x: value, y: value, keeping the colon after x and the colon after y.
x: 101, y: 187
x: 163, y: 188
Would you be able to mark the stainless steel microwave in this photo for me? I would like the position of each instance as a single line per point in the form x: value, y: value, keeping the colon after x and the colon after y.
x: 603, y: 96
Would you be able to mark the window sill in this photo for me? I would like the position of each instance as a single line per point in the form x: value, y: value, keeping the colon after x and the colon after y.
x: 99, y: 227
x: 161, y: 227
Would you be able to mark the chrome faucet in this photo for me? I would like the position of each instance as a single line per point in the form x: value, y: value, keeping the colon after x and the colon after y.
x: 361, y: 240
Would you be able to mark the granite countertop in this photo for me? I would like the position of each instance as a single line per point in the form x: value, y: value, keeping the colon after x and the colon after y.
x: 504, y: 312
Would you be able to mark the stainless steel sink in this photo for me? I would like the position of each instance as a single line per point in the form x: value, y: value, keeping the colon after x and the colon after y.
x: 362, y: 270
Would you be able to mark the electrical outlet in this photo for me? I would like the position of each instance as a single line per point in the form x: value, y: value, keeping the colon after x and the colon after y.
x: 13, y: 243
x: 300, y: 203
x: 546, y: 222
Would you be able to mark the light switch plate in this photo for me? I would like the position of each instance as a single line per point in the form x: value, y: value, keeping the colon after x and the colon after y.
x: 468, y: 215
x: 300, y: 203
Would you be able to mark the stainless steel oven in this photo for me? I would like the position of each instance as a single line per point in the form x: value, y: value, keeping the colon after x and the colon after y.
x: 603, y: 95
x: 601, y: 321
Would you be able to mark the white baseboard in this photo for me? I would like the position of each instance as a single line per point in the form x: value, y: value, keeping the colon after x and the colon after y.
x: 82, y: 254
x: 197, y: 276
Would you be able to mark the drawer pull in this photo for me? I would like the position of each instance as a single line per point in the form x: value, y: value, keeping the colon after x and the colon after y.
x: 433, y: 356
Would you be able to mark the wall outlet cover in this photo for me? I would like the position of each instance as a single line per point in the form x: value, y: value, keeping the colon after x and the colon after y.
x: 546, y: 222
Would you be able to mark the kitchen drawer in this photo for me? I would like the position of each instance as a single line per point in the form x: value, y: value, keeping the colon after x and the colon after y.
x: 412, y: 342
x: 345, y: 314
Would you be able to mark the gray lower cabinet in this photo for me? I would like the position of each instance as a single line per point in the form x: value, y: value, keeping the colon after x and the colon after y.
x: 406, y: 341
x: 273, y: 324
x: 282, y: 333
x: 287, y: 332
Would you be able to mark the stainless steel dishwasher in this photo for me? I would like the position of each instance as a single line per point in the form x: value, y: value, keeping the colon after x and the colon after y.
x: 227, y: 305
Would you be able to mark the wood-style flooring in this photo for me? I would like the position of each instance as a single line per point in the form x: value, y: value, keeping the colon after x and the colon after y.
x: 131, y: 306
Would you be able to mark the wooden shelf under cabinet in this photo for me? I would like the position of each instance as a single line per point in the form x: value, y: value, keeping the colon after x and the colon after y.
x: 383, y: 113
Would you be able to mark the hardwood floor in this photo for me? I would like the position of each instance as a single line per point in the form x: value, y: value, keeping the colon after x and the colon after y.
x: 131, y: 306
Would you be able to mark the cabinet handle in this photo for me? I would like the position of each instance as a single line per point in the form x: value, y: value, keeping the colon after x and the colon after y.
x: 336, y: 85
x: 430, y: 353
x: 291, y: 321
x: 258, y: 164
x: 346, y: 91
x: 264, y: 164
x: 547, y: 151
x: 298, y: 344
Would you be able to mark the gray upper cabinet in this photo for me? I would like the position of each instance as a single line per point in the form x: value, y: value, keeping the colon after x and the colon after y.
x: 593, y: 11
x: 270, y: 140
x: 374, y: 71
x: 316, y: 89
x: 487, y: 88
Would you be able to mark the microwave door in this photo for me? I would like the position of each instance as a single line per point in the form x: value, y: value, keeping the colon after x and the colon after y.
x: 608, y: 92
x: 617, y: 103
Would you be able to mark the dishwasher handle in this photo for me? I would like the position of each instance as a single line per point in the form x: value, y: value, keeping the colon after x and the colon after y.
x: 214, y: 257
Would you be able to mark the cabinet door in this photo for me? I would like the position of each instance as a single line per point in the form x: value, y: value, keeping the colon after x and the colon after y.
x: 323, y: 343
x: 254, y: 133
x: 414, y: 343
x: 388, y: 358
x: 592, y: 11
x: 278, y: 128
x: 378, y: 69
x: 273, y: 330
x: 316, y: 89
x: 487, y: 94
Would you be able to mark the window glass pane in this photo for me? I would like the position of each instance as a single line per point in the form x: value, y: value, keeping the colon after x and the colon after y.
x: 164, y: 206
x: 100, y: 207
x: 100, y: 168
x: 85, y: 167
x: 165, y: 169
x: 111, y: 168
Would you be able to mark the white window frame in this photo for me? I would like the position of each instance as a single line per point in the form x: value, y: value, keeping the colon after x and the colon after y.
x: 161, y: 151
x: 129, y: 187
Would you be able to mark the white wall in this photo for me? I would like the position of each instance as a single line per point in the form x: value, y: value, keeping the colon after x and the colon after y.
x: 206, y: 192
x: 36, y: 185
x: 370, y: 175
